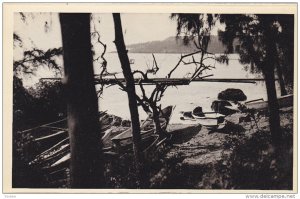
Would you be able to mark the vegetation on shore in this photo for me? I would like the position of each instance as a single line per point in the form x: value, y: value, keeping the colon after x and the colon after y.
x: 233, y: 158
x: 198, y: 158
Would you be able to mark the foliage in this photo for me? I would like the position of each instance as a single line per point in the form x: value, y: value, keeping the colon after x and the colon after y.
x: 21, y: 101
x: 258, y: 36
x: 32, y: 107
x: 49, y: 100
x: 286, y: 47
x: 17, y: 40
x: 196, y: 28
x: 43, y: 103
x: 191, y: 25
x: 250, y: 30
x: 254, y: 164
x: 36, y: 57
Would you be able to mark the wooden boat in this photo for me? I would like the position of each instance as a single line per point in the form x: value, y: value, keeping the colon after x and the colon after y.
x: 122, y: 140
x: 52, y: 154
x: 51, y: 141
x: 62, y: 160
x: 147, y: 129
x: 106, y: 121
x: 211, y: 120
x: 260, y: 104
x: 58, y: 156
x: 50, y: 133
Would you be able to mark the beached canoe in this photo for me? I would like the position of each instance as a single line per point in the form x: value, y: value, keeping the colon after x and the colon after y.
x: 210, y: 120
x: 259, y: 104
x: 48, y: 134
x: 147, y: 129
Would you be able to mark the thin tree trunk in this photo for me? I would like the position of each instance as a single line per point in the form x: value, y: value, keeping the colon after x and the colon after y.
x: 84, y: 129
x: 158, y: 128
x: 274, y: 118
x: 279, y: 73
x: 268, y: 71
x: 133, y: 107
x: 281, y: 81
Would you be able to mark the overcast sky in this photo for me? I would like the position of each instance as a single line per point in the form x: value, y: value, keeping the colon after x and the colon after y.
x: 43, y: 30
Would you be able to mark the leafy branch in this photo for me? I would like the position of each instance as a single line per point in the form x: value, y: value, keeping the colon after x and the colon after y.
x: 34, y: 58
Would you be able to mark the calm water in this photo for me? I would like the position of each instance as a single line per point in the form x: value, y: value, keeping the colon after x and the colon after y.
x: 184, y: 97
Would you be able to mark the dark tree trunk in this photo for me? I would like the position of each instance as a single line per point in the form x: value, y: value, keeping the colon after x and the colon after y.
x: 279, y: 73
x: 83, y: 124
x: 158, y: 128
x: 130, y: 89
x: 274, y: 118
x: 281, y: 80
x: 268, y: 71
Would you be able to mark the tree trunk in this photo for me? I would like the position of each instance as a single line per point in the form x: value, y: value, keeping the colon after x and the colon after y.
x: 158, y: 128
x: 274, y: 118
x: 268, y: 71
x: 279, y: 73
x: 83, y: 123
x: 133, y: 107
x: 281, y: 81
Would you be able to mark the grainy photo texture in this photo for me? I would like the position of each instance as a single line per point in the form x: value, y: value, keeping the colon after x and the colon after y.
x: 153, y: 101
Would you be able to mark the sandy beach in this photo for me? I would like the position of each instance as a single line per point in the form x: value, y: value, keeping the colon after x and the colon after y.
x: 205, y: 159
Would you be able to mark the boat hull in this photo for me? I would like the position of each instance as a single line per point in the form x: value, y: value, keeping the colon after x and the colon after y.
x: 210, y: 120
x: 283, y: 101
x: 147, y: 129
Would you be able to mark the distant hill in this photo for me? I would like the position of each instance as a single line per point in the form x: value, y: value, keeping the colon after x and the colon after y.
x: 174, y: 45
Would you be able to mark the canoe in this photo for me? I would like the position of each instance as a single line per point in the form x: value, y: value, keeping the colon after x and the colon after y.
x: 259, y: 104
x: 211, y: 120
x: 147, y: 129
x: 48, y: 134
x: 51, y: 155
x: 62, y: 160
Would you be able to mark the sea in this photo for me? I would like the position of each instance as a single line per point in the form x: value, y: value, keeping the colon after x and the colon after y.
x: 186, y: 97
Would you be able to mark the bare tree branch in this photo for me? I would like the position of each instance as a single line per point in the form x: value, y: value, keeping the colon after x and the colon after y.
x: 144, y: 75
x: 180, y: 60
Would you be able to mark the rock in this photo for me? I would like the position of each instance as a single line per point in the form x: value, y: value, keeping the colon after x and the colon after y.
x: 232, y: 94
x: 198, y: 111
x: 219, y: 106
x: 236, y: 118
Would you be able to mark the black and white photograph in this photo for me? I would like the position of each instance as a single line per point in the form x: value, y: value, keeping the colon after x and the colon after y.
x: 160, y: 100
